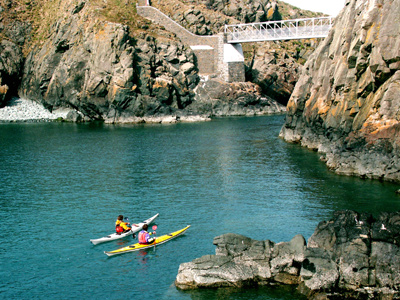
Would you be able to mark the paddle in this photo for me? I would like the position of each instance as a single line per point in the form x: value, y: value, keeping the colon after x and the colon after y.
x: 126, y: 218
x: 154, y: 232
x: 133, y: 235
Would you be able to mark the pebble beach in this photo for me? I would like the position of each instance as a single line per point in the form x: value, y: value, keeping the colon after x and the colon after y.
x: 23, y: 110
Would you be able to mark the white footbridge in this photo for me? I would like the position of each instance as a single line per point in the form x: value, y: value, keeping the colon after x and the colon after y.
x: 222, y: 54
x: 279, y: 30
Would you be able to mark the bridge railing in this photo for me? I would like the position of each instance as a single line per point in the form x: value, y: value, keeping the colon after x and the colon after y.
x: 279, y: 30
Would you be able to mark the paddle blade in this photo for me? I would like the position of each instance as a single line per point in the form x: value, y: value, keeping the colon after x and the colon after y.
x: 154, y: 227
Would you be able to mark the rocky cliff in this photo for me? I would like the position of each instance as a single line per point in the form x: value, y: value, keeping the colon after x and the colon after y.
x: 102, y: 60
x: 274, y: 66
x: 352, y: 256
x: 346, y: 103
x: 100, y: 69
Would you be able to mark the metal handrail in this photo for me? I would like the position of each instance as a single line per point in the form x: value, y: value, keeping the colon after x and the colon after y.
x: 279, y: 30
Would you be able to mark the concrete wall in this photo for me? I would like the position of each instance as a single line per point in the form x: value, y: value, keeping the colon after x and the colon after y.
x: 233, y: 63
x: 209, y: 50
x: 204, y: 55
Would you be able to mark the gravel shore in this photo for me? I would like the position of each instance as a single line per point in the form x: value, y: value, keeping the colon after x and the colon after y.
x: 22, y: 110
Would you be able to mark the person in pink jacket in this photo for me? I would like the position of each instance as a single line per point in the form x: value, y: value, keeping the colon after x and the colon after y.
x: 144, y: 236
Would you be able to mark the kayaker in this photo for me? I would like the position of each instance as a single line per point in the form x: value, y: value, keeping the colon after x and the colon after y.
x: 144, y: 236
x: 121, y: 226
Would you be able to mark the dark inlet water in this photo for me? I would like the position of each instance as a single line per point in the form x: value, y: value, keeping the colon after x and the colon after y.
x: 63, y: 184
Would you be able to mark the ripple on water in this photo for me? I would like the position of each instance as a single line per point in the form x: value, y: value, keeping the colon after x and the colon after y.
x: 64, y: 184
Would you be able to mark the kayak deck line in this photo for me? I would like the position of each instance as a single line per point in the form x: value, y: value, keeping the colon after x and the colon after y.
x: 159, y: 240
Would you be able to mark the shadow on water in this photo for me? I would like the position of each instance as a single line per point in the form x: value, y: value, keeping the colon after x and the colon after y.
x: 259, y: 293
x: 334, y: 192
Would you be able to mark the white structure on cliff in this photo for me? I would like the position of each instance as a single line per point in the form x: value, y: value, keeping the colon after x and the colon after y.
x: 279, y: 30
x: 222, y: 54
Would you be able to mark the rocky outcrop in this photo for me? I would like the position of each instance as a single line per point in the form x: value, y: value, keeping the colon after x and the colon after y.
x: 246, y: 11
x: 218, y: 98
x: 352, y: 256
x: 194, y: 20
x: 346, y: 103
x: 101, y: 69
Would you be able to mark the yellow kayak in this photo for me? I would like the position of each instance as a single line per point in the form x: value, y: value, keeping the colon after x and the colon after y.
x: 159, y: 240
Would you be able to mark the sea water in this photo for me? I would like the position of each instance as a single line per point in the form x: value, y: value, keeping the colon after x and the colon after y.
x: 63, y: 184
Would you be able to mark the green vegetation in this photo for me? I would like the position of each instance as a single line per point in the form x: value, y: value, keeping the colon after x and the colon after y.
x: 117, y: 11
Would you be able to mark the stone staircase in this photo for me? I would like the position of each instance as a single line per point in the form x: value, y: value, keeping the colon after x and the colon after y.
x: 214, y: 57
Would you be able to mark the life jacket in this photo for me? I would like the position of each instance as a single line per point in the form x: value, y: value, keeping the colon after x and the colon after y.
x: 118, y: 227
x: 142, y: 237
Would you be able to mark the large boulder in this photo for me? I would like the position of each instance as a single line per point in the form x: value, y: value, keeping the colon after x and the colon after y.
x: 346, y: 103
x: 241, y: 261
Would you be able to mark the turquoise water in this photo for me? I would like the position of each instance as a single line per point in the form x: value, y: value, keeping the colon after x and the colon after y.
x: 63, y: 184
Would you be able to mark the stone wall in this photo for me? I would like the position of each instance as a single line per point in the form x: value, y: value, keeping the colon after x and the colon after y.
x: 235, y: 71
x: 204, y: 54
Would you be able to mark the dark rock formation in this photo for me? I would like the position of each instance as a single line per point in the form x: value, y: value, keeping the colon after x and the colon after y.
x: 346, y: 103
x: 11, y: 63
x: 194, y: 21
x: 214, y: 14
x: 97, y: 68
x: 246, y: 11
x: 352, y: 256
x: 276, y: 66
x: 218, y: 98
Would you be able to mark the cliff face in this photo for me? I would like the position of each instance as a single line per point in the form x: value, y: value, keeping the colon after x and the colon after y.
x: 103, y: 60
x: 274, y: 66
x: 98, y: 68
x: 346, y: 103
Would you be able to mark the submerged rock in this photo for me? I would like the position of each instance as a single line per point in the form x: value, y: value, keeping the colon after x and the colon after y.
x: 354, y: 255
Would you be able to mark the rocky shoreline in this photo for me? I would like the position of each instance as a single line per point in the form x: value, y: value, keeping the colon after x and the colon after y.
x: 28, y: 111
x: 352, y: 256
x: 22, y: 110
x: 346, y: 103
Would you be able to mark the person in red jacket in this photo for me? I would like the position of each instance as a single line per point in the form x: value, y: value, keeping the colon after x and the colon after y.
x: 121, y: 226
x: 144, y: 236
